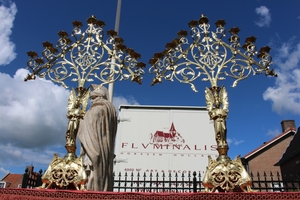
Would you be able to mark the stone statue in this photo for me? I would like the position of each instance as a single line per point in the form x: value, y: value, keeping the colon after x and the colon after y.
x: 97, y: 132
x: 217, y: 106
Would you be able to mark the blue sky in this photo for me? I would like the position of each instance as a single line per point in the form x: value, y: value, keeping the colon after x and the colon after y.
x: 32, y: 114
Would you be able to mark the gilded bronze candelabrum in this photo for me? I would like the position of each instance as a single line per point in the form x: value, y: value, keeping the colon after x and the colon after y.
x: 209, y: 57
x: 85, y: 58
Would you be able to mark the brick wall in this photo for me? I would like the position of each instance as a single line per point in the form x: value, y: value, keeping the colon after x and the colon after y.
x: 264, y: 161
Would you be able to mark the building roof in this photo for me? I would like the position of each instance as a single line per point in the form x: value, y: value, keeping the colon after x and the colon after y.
x: 13, y: 180
x: 292, y: 150
x: 288, y: 132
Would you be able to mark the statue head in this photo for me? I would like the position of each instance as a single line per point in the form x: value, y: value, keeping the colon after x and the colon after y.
x: 99, y: 91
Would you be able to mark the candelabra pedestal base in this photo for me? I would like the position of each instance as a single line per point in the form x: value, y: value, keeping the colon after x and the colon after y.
x: 224, y: 174
x: 65, y: 173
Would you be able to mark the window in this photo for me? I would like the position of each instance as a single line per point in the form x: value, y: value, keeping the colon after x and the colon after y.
x: 2, y: 184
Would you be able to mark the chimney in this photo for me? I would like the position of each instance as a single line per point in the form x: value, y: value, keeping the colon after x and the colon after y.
x: 287, y: 124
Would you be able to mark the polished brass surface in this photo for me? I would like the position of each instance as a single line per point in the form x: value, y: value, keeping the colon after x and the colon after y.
x: 208, y: 57
x: 76, y: 110
x: 226, y: 175
x: 217, y: 106
x: 85, y: 58
x: 64, y: 174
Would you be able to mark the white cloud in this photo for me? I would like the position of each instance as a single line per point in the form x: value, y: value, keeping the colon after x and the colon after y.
x: 32, y: 114
x: 273, y: 133
x: 32, y: 121
x: 234, y: 141
x: 265, y: 16
x: 288, y: 55
x: 7, y: 16
x: 120, y: 100
x: 14, y: 156
x: 285, y: 95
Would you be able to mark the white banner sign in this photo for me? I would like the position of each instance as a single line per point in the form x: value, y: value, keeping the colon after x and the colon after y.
x: 164, y: 139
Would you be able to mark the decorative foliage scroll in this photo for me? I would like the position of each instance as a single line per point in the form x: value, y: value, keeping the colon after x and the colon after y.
x: 86, y: 57
x: 206, y: 55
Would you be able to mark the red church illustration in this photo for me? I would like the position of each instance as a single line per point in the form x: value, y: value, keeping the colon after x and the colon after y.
x: 170, y: 137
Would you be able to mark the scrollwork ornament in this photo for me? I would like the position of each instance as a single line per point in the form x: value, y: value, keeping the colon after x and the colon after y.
x: 266, y: 61
x: 210, y: 55
x: 195, y: 34
x: 84, y: 55
x: 212, y: 59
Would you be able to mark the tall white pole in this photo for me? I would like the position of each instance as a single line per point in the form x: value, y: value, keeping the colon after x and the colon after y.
x: 117, y: 25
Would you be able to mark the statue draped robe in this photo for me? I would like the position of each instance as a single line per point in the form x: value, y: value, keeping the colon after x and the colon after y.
x: 97, y: 132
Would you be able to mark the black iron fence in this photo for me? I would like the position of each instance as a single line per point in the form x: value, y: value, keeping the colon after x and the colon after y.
x: 153, y: 182
x: 192, y: 182
x: 270, y: 182
x: 181, y: 182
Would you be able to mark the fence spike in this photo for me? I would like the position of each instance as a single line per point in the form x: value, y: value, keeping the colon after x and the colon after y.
x: 194, y: 182
x: 277, y: 173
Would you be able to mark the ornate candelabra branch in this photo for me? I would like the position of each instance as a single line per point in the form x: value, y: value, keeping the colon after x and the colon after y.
x: 208, y: 57
x: 87, y: 57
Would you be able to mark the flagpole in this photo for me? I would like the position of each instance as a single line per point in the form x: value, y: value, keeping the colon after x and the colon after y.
x: 117, y: 25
